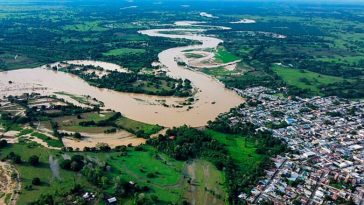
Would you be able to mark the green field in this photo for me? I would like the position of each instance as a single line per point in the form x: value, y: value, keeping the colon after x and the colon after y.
x: 50, y: 141
x: 136, y: 126
x: 222, y: 55
x: 241, y: 149
x: 305, y: 79
x: 50, y: 183
x: 159, y: 172
x: 342, y: 59
x: 125, y: 52
x: 9, y: 61
x: 207, y: 183
x: 8, y: 126
x: 217, y: 72
x: 86, y: 26
x: 71, y: 123
x: 78, y: 98
x: 153, y: 87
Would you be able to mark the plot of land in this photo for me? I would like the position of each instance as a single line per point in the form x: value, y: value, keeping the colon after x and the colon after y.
x: 136, y: 126
x: 224, y: 56
x: 49, y: 183
x: 86, y: 26
x: 158, y: 171
x: 71, y: 123
x: 207, y: 184
x: 124, y: 52
x: 305, y: 79
x: 8, y: 185
x: 9, y: 61
x: 241, y: 149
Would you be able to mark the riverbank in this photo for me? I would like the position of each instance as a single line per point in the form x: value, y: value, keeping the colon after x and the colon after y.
x: 212, y: 97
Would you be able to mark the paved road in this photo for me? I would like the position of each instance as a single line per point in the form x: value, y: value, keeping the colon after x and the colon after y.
x: 270, y: 181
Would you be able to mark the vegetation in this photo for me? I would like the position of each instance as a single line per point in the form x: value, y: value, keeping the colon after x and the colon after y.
x: 71, y: 119
x: 124, y: 52
x: 306, y: 40
x: 224, y: 56
x: 303, y: 79
x: 49, y: 140
x: 138, y: 128
x: 76, y: 32
x: 51, y: 182
x: 135, y: 83
x: 33, y: 160
x: 226, y: 152
x: 309, y: 49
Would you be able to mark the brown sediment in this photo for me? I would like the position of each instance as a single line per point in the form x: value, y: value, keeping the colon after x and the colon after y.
x: 113, y: 140
x: 8, y: 185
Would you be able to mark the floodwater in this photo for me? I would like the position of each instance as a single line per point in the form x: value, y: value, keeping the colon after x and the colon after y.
x: 113, y: 139
x: 213, y: 97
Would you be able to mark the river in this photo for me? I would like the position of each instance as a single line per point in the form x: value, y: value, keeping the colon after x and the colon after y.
x: 213, y: 97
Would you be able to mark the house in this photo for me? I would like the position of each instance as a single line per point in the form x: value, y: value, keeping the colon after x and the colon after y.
x: 112, y: 200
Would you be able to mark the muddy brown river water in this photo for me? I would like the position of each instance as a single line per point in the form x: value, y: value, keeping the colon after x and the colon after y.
x: 213, y: 97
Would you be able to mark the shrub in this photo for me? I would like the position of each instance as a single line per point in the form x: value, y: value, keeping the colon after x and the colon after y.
x: 33, y: 160
x: 3, y: 143
x: 14, y: 158
x: 78, y: 135
x: 65, y: 164
x: 36, y: 181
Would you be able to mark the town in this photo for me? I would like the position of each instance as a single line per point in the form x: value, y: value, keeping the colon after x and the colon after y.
x: 326, y: 138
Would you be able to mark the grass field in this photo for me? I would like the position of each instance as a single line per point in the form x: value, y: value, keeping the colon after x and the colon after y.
x: 79, y: 98
x: 241, y: 149
x: 49, y: 182
x: 162, y: 174
x: 342, y: 59
x: 10, y: 61
x: 124, y: 51
x: 207, y: 183
x: 7, y: 126
x: 305, y: 79
x: 50, y: 141
x: 138, y: 166
x: 86, y: 26
x: 217, y: 72
x: 224, y: 56
x: 71, y: 123
x: 136, y: 126
x: 131, y: 37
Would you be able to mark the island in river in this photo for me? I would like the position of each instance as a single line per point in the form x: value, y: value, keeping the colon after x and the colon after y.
x: 212, y: 97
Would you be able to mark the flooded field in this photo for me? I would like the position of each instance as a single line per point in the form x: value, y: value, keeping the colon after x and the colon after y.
x: 213, y: 97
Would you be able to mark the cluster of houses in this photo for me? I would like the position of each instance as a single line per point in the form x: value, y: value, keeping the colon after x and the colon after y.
x: 326, y: 138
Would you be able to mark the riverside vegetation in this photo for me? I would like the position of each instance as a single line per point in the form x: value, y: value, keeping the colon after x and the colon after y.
x: 300, y: 48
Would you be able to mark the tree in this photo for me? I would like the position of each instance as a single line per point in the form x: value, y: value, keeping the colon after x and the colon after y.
x: 78, y: 135
x: 36, y: 181
x: 75, y: 166
x: 103, y: 147
x: 65, y: 164
x: 33, y: 160
x: 3, y: 143
x: 14, y: 157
